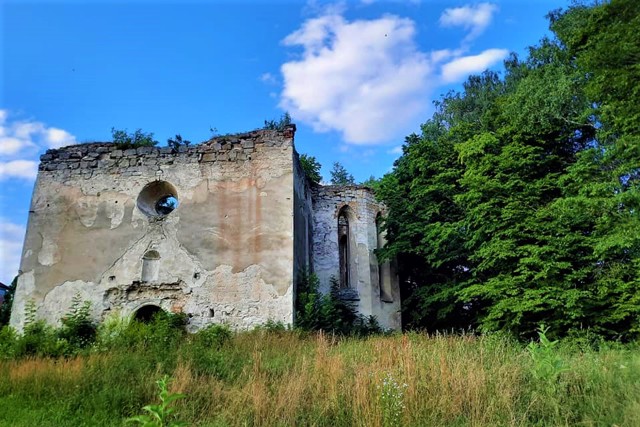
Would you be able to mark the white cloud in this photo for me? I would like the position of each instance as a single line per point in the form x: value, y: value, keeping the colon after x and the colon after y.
x: 365, y: 79
x: 268, y: 78
x: 441, y: 55
x: 395, y: 150
x: 368, y: 2
x: 460, y: 68
x: 20, y: 136
x: 474, y: 18
x: 10, y: 145
x: 56, y: 138
x: 368, y: 79
x: 27, y: 129
x: 20, y: 143
x: 11, y: 239
x: 21, y: 169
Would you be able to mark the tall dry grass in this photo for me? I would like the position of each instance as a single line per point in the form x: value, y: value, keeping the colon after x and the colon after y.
x: 288, y: 379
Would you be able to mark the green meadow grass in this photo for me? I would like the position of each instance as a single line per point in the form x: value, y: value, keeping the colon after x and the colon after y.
x: 286, y: 378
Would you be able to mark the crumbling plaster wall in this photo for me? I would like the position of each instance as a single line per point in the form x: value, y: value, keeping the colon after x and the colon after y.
x: 364, y: 277
x: 226, y: 253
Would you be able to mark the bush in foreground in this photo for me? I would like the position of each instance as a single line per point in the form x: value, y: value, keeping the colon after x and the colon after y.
x: 273, y: 378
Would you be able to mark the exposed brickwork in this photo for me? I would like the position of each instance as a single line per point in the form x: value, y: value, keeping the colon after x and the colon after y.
x: 105, y: 157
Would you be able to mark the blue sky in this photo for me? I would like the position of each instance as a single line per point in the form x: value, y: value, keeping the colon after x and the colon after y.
x: 357, y: 77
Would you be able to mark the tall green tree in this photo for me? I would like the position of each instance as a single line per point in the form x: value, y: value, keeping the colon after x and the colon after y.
x: 311, y: 168
x: 340, y: 176
x: 517, y: 203
x: 605, y: 180
x: 371, y: 182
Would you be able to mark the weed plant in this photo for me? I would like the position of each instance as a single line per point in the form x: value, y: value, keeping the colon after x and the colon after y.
x: 330, y: 312
x: 80, y: 375
x: 160, y: 415
x: 282, y: 377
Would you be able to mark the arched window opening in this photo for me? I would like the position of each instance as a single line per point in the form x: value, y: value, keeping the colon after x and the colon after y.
x: 343, y: 244
x: 146, y: 313
x: 150, y: 266
x: 384, y: 268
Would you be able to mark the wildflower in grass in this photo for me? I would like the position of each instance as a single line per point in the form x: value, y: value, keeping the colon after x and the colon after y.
x: 391, y: 400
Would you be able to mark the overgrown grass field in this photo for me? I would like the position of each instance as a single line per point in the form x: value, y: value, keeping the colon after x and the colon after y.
x: 274, y: 377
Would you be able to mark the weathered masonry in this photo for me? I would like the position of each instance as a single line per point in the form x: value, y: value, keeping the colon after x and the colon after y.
x: 218, y: 231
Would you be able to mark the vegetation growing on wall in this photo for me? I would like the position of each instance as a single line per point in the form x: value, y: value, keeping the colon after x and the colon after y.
x: 519, y: 202
x: 137, y: 139
x: 177, y: 142
x: 280, y: 124
x: 311, y: 168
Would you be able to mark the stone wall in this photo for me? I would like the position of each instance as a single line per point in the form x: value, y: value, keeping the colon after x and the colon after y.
x: 364, y: 283
x: 224, y: 255
x: 302, y: 220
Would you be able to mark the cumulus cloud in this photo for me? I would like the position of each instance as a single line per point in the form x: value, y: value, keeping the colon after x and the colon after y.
x: 17, y: 136
x: 368, y: 79
x: 11, y: 145
x: 20, y: 143
x: 56, y: 138
x: 11, y: 238
x: 364, y: 78
x: 459, y: 68
x: 21, y: 169
x: 26, y: 130
x: 474, y: 18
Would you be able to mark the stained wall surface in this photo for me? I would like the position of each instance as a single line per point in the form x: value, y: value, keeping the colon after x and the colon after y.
x: 373, y: 287
x: 224, y: 255
x: 302, y: 220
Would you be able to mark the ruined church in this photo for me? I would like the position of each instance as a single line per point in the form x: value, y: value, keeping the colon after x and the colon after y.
x: 218, y: 231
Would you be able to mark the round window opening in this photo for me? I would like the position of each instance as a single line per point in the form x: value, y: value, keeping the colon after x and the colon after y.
x: 158, y: 199
x: 166, y: 205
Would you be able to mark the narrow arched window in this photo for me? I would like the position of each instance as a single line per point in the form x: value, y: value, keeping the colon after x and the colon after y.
x: 379, y: 245
x: 384, y: 268
x: 150, y: 266
x: 343, y: 245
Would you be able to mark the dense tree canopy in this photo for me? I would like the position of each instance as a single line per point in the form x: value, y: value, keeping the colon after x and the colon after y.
x: 519, y: 202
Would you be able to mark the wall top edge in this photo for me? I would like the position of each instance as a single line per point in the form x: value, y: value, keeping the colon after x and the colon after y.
x: 245, y: 141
